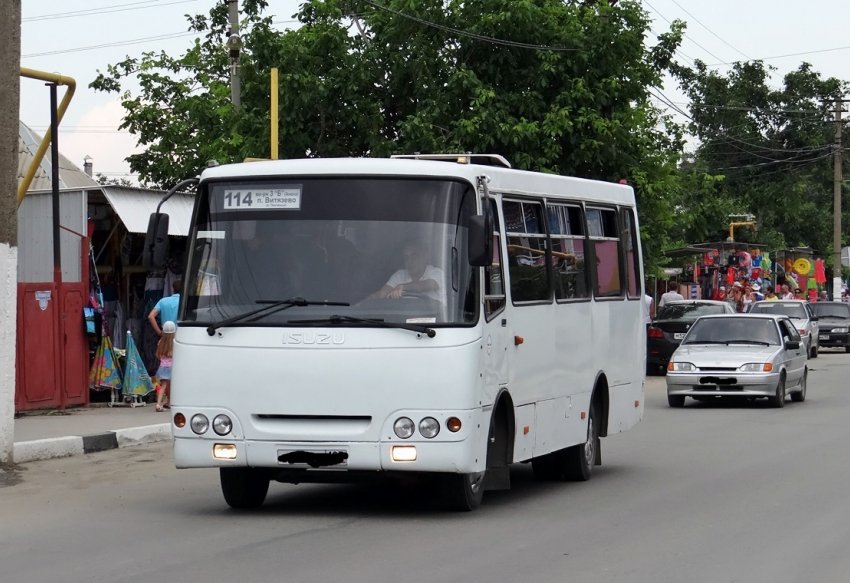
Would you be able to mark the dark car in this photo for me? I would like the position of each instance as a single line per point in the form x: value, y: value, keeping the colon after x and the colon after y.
x: 834, y: 324
x: 671, y: 323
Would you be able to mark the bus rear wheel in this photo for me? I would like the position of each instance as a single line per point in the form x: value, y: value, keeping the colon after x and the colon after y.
x: 244, y: 487
x: 462, y: 492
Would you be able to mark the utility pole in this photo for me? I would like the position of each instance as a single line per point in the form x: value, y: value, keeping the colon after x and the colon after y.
x: 836, y: 205
x: 10, y: 85
x: 234, y: 43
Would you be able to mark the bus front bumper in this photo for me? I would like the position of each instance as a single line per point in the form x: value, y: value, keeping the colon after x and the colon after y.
x: 418, y: 456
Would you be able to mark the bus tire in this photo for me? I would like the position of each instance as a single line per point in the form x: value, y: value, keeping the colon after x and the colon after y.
x: 572, y: 463
x: 462, y: 492
x: 244, y: 487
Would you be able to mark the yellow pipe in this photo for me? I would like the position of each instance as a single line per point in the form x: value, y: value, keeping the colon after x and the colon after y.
x: 733, y: 225
x: 60, y: 112
x: 274, y: 113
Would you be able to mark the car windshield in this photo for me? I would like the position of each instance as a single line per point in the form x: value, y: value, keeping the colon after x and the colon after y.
x: 346, y: 240
x: 737, y: 330
x: 792, y: 310
x: 688, y: 311
x: 829, y: 310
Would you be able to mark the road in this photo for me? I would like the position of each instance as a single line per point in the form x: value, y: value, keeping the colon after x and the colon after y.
x: 708, y: 493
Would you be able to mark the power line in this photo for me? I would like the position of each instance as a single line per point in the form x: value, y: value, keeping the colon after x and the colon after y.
x: 103, y: 10
x: 708, y: 29
x: 126, y: 42
x: 788, y: 55
x: 468, y: 34
x: 686, y: 36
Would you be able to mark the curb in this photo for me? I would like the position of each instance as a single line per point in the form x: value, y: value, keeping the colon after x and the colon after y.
x: 45, y: 449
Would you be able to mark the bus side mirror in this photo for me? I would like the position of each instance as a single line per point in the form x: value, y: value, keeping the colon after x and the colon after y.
x: 156, y: 242
x: 480, y: 241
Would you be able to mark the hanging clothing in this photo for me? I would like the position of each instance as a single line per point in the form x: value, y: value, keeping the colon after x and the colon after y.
x: 820, y: 271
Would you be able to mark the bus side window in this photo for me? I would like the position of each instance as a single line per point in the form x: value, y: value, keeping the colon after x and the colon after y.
x: 527, y: 251
x: 494, y: 280
x: 630, y: 243
x: 567, y: 234
x: 602, y: 225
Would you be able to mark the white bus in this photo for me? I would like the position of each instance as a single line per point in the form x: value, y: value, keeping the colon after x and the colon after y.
x: 435, y: 318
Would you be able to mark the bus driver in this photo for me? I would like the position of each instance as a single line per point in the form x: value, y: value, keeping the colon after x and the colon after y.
x: 417, y: 277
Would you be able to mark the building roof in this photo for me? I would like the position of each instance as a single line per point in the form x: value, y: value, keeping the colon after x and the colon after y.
x: 70, y: 176
x: 135, y: 205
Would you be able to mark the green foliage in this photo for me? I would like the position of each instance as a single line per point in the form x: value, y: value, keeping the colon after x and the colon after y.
x: 773, y: 149
x: 408, y: 76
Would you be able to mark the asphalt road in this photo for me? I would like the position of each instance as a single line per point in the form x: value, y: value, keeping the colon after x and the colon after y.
x: 709, y: 493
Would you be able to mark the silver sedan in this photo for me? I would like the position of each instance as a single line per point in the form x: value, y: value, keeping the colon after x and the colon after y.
x: 740, y: 355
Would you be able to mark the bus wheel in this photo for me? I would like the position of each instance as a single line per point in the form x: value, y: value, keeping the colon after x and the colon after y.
x: 462, y: 492
x: 571, y: 463
x: 244, y: 487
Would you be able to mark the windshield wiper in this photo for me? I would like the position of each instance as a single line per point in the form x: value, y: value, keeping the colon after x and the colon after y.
x: 420, y: 328
x: 272, y: 307
x: 748, y: 342
x: 706, y: 342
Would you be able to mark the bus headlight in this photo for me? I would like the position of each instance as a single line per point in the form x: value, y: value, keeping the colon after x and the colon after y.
x: 222, y: 424
x: 429, y: 427
x: 200, y: 424
x: 404, y: 427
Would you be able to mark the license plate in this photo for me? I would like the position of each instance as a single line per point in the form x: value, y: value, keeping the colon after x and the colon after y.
x: 305, y: 454
x: 823, y: 337
x: 678, y: 335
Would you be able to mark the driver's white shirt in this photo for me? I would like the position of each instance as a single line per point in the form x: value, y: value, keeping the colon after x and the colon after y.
x: 402, y: 276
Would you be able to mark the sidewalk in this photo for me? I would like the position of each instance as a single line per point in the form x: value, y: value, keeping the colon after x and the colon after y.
x: 80, y: 431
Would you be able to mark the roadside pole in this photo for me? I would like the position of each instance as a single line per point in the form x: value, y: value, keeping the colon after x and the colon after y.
x: 234, y: 43
x: 836, y: 227
x: 10, y: 85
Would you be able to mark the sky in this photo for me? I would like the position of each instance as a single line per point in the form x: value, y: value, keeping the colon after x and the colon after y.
x: 719, y: 31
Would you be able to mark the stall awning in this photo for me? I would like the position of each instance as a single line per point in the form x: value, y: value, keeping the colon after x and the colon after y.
x: 135, y: 205
x: 686, y: 251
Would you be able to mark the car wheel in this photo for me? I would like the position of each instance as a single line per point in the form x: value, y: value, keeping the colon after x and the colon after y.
x: 676, y: 400
x: 778, y: 400
x: 814, y: 351
x: 800, y: 395
x: 847, y: 349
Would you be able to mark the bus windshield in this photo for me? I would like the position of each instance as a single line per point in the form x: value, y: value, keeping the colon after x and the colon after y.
x: 393, y: 249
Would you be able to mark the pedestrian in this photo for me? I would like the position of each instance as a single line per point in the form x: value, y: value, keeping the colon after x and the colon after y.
x: 798, y: 294
x: 164, y: 352
x: 671, y: 295
x: 769, y: 295
x: 736, y: 297
x: 787, y: 294
x: 823, y: 297
x: 166, y: 308
x: 648, y: 302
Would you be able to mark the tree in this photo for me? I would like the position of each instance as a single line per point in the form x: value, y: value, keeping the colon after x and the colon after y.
x: 107, y: 181
x: 553, y: 86
x: 772, y: 147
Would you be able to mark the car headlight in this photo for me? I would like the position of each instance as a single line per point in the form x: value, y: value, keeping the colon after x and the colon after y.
x: 681, y: 367
x: 429, y: 427
x: 200, y: 424
x: 756, y: 367
x: 404, y: 427
x: 839, y: 331
x: 222, y: 424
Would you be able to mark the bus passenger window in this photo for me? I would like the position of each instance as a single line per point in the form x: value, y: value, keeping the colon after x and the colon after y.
x: 527, y: 250
x: 605, y: 238
x: 630, y: 241
x: 568, y: 252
